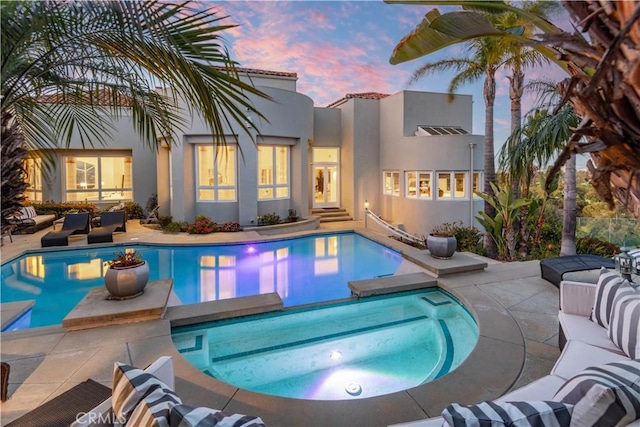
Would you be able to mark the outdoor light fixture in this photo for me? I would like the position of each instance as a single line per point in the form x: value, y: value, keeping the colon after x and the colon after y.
x: 335, y: 355
x: 366, y: 205
x: 624, y: 263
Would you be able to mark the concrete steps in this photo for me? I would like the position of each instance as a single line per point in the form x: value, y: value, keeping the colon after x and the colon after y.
x: 332, y: 214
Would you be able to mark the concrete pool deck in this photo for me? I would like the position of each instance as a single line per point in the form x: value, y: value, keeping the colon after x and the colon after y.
x: 516, y: 310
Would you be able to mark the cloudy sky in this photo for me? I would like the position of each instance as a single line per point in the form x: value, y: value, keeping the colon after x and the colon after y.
x: 340, y: 47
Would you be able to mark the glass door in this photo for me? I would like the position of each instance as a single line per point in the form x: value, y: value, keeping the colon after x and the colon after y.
x: 326, y: 178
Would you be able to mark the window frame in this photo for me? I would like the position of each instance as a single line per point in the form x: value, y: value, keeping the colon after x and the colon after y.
x: 391, y: 174
x: 100, y: 189
x: 418, y: 174
x: 452, y: 181
x: 216, y: 187
x: 33, y: 167
x: 274, y: 186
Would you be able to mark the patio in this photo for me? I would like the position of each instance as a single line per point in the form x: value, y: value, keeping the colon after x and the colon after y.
x: 516, y: 309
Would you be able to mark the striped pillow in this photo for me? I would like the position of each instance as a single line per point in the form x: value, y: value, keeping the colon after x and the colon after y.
x: 190, y: 416
x: 517, y: 414
x: 29, y: 212
x: 153, y: 410
x: 624, y: 329
x: 606, y: 288
x: 604, y: 395
x: 136, y: 392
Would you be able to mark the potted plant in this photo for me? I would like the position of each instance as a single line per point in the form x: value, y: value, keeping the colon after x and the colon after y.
x: 127, y: 275
x: 442, y: 242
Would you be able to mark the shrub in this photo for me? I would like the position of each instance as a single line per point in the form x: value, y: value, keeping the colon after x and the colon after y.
x: 134, y: 210
x: 61, y: 208
x: 164, y: 221
x: 203, y: 225
x: 269, y: 219
x: 469, y: 238
x: 172, y: 227
x: 230, y: 227
x: 293, y: 216
x: 595, y: 246
x: 152, y: 202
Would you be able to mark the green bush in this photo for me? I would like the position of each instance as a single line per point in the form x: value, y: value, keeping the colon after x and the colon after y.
x: 172, y: 227
x: 152, y: 202
x: 134, y: 210
x: 595, y: 246
x: 269, y: 219
x: 165, y: 220
x: 62, y: 208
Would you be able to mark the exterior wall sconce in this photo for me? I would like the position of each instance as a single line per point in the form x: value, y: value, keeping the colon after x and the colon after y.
x: 366, y: 205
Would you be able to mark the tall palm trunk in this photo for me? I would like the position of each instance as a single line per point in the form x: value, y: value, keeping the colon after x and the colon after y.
x: 568, y: 245
x: 516, y: 89
x: 489, y: 157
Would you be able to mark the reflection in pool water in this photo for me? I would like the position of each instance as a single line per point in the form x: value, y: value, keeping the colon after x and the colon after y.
x: 301, y: 270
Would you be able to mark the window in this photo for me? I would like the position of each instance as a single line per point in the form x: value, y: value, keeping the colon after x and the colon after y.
x: 477, y: 184
x: 418, y: 185
x: 392, y: 183
x: 273, y: 172
x: 33, y: 166
x: 216, y: 173
x: 98, y: 178
x: 452, y: 185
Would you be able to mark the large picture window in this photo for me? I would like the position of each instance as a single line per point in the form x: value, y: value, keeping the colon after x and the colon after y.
x: 216, y: 173
x: 33, y: 166
x: 452, y: 185
x: 273, y: 172
x: 98, y: 178
x: 391, y: 183
x: 418, y: 185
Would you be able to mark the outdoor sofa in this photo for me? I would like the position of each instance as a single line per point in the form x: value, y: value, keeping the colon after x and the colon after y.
x: 76, y: 223
x: 586, y: 348
x: 29, y: 221
x: 137, y: 398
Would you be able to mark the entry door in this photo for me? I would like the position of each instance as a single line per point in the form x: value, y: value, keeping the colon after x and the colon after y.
x: 326, y: 184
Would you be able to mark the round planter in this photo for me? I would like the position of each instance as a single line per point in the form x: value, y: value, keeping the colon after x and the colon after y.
x: 441, y: 247
x: 127, y: 282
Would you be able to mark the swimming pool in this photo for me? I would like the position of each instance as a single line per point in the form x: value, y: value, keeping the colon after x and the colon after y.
x: 301, y: 270
x: 353, y: 350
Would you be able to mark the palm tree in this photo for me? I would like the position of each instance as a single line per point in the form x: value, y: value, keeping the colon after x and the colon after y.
x: 69, y: 66
x: 543, y: 137
x: 486, y: 56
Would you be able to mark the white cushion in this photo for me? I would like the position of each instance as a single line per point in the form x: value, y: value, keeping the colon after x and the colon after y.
x: 577, y: 297
x: 624, y: 329
x: 580, y: 328
x: 578, y: 356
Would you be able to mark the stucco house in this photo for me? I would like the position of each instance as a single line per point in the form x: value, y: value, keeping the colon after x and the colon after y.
x: 411, y: 156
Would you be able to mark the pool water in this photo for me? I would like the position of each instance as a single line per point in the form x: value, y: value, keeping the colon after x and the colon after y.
x: 301, y: 270
x: 354, y: 350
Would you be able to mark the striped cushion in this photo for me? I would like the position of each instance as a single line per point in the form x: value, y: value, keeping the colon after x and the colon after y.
x: 29, y: 212
x: 624, y: 329
x: 153, y: 410
x: 605, y: 395
x: 138, y: 393
x: 606, y: 288
x: 517, y: 414
x: 189, y: 416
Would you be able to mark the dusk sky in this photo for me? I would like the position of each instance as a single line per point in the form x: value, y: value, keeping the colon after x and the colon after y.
x: 340, y: 47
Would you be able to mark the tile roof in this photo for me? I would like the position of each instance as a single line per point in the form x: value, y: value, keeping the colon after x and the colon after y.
x: 363, y: 95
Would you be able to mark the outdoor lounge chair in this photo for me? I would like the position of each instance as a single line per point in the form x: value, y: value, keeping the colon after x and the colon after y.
x: 73, y: 224
x: 152, y: 218
x: 109, y: 223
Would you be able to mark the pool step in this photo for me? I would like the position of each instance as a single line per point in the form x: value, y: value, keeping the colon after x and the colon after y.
x: 387, y: 285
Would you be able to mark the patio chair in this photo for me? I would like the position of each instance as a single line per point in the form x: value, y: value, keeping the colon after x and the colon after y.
x: 109, y: 223
x: 152, y: 218
x: 73, y: 224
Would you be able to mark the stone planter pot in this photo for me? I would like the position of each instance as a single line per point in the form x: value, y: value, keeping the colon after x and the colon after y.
x: 127, y: 282
x: 441, y: 247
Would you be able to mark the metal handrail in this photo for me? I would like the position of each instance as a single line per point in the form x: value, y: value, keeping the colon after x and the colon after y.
x: 395, y: 230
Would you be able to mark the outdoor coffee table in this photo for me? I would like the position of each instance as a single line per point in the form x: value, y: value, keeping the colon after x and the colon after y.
x: 552, y: 269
